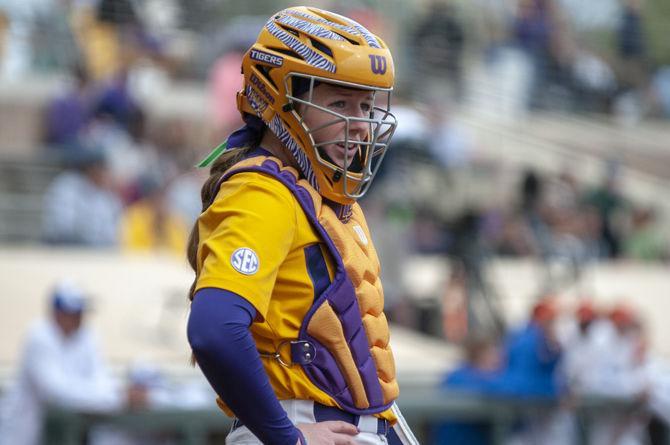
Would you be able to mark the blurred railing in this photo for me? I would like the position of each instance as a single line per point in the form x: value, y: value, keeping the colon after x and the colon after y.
x: 422, y: 408
x: 22, y: 186
x: 188, y: 427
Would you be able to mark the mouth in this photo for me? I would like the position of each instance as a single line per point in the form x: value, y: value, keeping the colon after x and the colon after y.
x: 350, y: 150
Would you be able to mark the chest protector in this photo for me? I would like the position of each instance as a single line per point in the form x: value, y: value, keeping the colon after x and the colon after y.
x: 345, y: 331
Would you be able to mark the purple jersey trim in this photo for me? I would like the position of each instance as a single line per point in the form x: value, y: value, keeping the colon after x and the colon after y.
x: 317, y: 269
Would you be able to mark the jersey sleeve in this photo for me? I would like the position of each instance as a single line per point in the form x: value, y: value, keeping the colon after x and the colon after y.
x: 246, y: 234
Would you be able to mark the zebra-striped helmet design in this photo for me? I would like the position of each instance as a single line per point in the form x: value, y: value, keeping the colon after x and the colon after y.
x: 299, y: 49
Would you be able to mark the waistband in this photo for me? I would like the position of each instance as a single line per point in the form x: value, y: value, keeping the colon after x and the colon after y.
x: 322, y: 413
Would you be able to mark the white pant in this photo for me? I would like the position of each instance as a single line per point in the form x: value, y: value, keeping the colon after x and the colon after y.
x: 302, y: 411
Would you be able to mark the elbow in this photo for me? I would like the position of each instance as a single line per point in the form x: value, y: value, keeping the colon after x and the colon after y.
x: 199, y: 338
x: 217, y: 326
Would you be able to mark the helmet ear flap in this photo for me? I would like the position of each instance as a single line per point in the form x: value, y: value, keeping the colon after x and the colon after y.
x: 243, y: 103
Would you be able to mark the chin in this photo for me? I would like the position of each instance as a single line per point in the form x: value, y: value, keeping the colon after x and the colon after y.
x: 340, y: 163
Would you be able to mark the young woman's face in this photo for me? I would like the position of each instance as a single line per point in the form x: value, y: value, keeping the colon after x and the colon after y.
x: 347, y: 102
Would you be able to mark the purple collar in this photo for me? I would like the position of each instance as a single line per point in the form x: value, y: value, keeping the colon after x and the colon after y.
x: 342, y: 211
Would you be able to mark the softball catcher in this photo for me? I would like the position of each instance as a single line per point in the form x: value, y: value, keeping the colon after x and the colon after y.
x: 287, y: 320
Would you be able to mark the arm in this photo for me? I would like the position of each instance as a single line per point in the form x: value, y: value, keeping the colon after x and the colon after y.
x: 218, y: 331
x: 218, y: 328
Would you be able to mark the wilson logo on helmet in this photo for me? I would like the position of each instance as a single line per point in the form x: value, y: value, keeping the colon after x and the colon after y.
x: 256, y: 82
x: 377, y: 64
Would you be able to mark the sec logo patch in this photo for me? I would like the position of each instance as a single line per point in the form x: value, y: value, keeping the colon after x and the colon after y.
x: 245, y: 261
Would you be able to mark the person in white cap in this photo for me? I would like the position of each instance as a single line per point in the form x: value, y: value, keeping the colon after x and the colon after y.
x: 61, y: 367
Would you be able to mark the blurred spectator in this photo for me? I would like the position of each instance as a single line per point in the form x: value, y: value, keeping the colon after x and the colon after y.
x: 646, y: 240
x: 531, y: 196
x: 69, y: 114
x: 596, y: 14
x: 661, y: 90
x: 509, y: 79
x: 17, y: 28
x: 631, y: 45
x: 516, y: 238
x: 579, y: 348
x: 451, y: 143
x: 563, y: 198
x: 533, y: 353
x: 120, y: 12
x: 468, y: 255
x: 129, y: 151
x: 528, y: 369
x: 80, y: 207
x: 633, y: 63
x: 180, y: 193
x: 571, y: 240
x: 533, y: 27
x: 427, y: 232
x: 617, y: 369
x: 610, y: 205
x: 149, y: 224
x: 437, y: 44
x: 480, y: 374
x: 104, y: 31
x: 455, y: 305
x: 594, y: 82
x: 620, y: 343
x: 116, y: 100
x: 60, y: 367
x: 535, y: 31
x: 533, y: 356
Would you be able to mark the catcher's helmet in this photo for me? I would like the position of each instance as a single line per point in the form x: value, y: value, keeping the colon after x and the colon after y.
x: 298, y: 49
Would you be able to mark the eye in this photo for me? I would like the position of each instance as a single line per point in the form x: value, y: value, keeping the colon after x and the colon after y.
x: 340, y: 104
x: 366, y: 107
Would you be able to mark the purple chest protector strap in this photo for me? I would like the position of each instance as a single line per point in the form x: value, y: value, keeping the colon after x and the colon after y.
x: 317, y: 361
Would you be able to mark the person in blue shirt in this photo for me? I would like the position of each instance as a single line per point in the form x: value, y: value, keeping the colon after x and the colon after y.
x: 482, y: 373
x: 525, y: 367
x: 533, y: 354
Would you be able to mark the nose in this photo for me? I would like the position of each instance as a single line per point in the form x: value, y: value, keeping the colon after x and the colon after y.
x: 356, y: 127
x: 358, y: 130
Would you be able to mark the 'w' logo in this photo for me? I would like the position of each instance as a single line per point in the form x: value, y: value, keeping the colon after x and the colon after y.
x: 378, y: 64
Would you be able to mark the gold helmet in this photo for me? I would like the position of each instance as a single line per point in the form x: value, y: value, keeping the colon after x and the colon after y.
x: 298, y: 49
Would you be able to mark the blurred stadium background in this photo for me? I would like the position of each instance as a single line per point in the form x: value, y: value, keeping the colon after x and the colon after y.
x: 531, y: 165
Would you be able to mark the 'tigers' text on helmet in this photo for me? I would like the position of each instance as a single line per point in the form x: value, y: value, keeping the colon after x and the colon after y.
x: 271, y: 59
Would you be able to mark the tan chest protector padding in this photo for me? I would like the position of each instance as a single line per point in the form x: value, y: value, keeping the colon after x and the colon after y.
x: 353, y: 242
x: 359, y: 256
